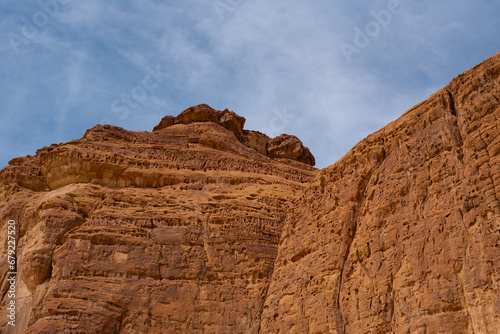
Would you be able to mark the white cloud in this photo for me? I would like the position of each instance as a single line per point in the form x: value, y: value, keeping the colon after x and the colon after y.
x: 257, y: 59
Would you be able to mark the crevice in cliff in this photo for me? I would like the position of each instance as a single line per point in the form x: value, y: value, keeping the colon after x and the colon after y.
x: 460, y: 275
x: 352, y: 233
x: 454, y: 111
x: 341, y: 322
x: 460, y: 266
x: 120, y: 322
x: 452, y: 104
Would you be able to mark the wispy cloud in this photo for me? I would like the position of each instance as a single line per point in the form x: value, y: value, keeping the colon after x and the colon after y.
x: 255, y: 58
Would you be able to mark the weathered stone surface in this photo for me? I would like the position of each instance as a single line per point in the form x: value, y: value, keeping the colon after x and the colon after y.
x: 402, y: 235
x: 165, y: 123
x: 204, y: 113
x: 284, y: 146
x: 289, y: 147
x: 171, y: 231
x: 256, y: 140
x: 201, y: 226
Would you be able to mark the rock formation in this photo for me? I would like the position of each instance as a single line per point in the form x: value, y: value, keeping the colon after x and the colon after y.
x: 283, y: 146
x: 401, y: 235
x: 170, y: 231
x: 201, y: 226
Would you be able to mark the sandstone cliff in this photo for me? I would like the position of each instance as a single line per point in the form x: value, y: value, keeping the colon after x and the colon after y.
x: 402, y: 235
x: 201, y: 226
x: 170, y: 231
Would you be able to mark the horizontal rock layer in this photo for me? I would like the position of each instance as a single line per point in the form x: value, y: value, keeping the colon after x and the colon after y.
x: 170, y: 231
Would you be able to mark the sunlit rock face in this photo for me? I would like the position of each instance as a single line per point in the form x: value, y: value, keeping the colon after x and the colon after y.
x: 170, y: 231
x: 402, y: 235
x: 202, y: 226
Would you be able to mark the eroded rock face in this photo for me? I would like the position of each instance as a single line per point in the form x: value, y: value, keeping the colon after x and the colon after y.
x: 402, y: 235
x: 201, y: 226
x: 284, y: 146
x: 170, y: 231
x: 289, y: 147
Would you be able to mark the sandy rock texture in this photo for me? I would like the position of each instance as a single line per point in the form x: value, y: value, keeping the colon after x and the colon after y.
x: 284, y: 146
x: 402, y: 235
x: 170, y: 231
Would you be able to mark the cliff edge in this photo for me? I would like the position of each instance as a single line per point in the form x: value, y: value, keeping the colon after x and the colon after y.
x: 401, y: 235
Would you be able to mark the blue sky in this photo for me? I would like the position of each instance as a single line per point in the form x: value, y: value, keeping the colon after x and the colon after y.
x: 328, y: 72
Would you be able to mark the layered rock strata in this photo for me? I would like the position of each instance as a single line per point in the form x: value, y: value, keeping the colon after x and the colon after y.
x: 170, y: 231
x: 283, y: 146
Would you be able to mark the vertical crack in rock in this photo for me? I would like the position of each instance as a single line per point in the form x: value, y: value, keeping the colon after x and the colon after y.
x: 360, y: 208
x: 452, y: 104
x: 341, y: 321
x: 459, y: 271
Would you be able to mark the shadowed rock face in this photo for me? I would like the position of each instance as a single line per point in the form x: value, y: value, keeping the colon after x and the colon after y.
x: 201, y: 226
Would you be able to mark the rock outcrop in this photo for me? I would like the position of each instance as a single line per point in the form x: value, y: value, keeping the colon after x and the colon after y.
x: 283, y: 146
x: 201, y: 226
x: 170, y: 231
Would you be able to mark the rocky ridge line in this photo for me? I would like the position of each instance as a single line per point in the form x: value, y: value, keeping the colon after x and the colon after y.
x: 284, y: 146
